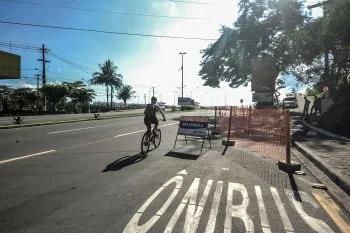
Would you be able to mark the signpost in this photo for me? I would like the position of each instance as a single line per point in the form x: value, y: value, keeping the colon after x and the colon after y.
x: 194, y: 126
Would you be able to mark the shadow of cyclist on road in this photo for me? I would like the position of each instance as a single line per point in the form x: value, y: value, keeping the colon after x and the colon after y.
x: 124, y: 161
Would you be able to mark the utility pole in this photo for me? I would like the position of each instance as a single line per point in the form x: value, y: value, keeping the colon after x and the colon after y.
x: 43, y: 60
x: 43, y: 52
x: 153, y: 90
x: 144, y: 95
x: 37, y: 78
x: 182, y: 73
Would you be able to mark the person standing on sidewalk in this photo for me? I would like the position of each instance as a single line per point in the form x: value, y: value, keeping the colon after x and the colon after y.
x: 306, y: 107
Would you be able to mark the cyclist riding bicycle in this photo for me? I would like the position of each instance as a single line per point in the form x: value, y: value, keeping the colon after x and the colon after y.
x: 150, y: 115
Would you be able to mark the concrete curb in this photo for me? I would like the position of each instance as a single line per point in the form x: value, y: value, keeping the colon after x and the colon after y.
x: 68, y: 121
x: 335, y: 176
x: 325, y: 132
x: 336, y: 192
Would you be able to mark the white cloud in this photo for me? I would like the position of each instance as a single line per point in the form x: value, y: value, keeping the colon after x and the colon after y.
x: 26, y: 85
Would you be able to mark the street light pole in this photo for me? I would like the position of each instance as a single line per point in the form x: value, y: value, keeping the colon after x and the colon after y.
x: 182, y: 73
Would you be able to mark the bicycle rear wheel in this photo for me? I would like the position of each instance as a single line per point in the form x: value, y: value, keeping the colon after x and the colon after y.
x: 157, y: 139
x: 145, y: 143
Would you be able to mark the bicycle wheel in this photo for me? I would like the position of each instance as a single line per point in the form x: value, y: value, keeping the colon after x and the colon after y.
x: 145, y: 143
x: 157, y: 140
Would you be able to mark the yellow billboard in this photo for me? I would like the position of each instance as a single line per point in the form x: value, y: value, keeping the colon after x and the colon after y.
x: 10, y: 66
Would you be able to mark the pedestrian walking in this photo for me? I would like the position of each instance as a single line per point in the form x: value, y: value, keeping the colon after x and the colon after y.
x: 306, y: 107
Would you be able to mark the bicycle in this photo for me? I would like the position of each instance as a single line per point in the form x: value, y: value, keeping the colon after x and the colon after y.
x: 154, y: 137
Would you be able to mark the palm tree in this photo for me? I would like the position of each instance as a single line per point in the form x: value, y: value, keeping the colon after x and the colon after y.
x: 125, y: 93
x: 117, y: 83
x: 107, y: 76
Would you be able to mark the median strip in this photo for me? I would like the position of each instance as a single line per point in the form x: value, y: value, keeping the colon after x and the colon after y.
x: 26, y: 156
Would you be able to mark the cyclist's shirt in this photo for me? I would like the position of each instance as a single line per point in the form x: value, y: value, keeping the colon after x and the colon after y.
x: 151, y: 109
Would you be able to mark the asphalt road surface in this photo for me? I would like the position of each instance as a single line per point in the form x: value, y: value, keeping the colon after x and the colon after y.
x: 90, y: 177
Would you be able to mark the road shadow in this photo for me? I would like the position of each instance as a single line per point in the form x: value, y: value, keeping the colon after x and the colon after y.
x: 182, y: 155
x: 124, y: 161
x: 294, y: 187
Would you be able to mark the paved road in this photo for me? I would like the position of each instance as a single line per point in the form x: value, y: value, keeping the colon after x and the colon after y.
x: 89, y: 177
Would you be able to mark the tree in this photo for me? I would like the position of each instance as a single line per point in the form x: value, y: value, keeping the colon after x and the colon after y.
x: 115, y: 83
x: 78, y: 93
x: 54, y: 93
x: 125, y: 93
x: 107, y: 76
x: 264, y: 27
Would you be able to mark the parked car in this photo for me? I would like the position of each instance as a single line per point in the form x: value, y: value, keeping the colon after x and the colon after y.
x: 290, y: 102
x: 162, y: 107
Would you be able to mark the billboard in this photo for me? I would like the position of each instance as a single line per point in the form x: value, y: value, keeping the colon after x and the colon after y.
x: 264, y: 74
x: 266, y: 97
x: 10, y: 66
x: 185, y: 101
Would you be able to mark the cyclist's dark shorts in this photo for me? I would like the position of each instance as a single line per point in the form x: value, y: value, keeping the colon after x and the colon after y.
x: 151, y: 120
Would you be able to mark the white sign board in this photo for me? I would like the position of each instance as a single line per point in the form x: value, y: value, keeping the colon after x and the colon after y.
x: 193, y: 126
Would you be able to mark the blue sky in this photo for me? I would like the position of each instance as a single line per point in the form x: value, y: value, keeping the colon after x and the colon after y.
x: 143, y: 61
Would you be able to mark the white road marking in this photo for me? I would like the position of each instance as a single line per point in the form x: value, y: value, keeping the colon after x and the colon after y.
x: 133, y: 226
x: 194, y: 211
x: 286, y: 222
x: 262, y: 210
x: 193, y: 214
x: 139, y: 131
x: 225, y: 169
x: 91, y: 127
x: 316, y: 224
x: 237, y: 211
x: 26, y: 156
x: 125, y: 134
x: 183, y: 172
x: 214, y: 208
x: 89, y: 143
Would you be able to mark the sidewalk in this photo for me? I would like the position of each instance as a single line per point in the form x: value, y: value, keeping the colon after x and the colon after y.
x: 330, y: 155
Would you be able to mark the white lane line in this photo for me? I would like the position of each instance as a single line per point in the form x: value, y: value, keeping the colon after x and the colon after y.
x: 280, y: 206
x: 262, y: 210
x: 91, y: 127
x: 26, y: 156
x: 139, y: 131
x: 50, y: 151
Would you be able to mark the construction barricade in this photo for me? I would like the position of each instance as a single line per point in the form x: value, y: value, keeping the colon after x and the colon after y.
x: 261, y: 131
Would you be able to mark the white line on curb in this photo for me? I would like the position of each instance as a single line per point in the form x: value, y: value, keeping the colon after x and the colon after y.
x: 27, y: 156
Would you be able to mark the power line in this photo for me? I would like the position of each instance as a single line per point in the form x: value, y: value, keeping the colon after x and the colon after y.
x: 21, y: 44
x: 66, y: 60
x: 78, y: 67
x: 14, y: 45
x: 106, y: 32
x: 104, y: 11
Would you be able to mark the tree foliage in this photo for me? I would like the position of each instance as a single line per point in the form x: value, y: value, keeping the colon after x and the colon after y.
x: 300, y: 45
x: 108, y: 76
x: 125, y: 93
